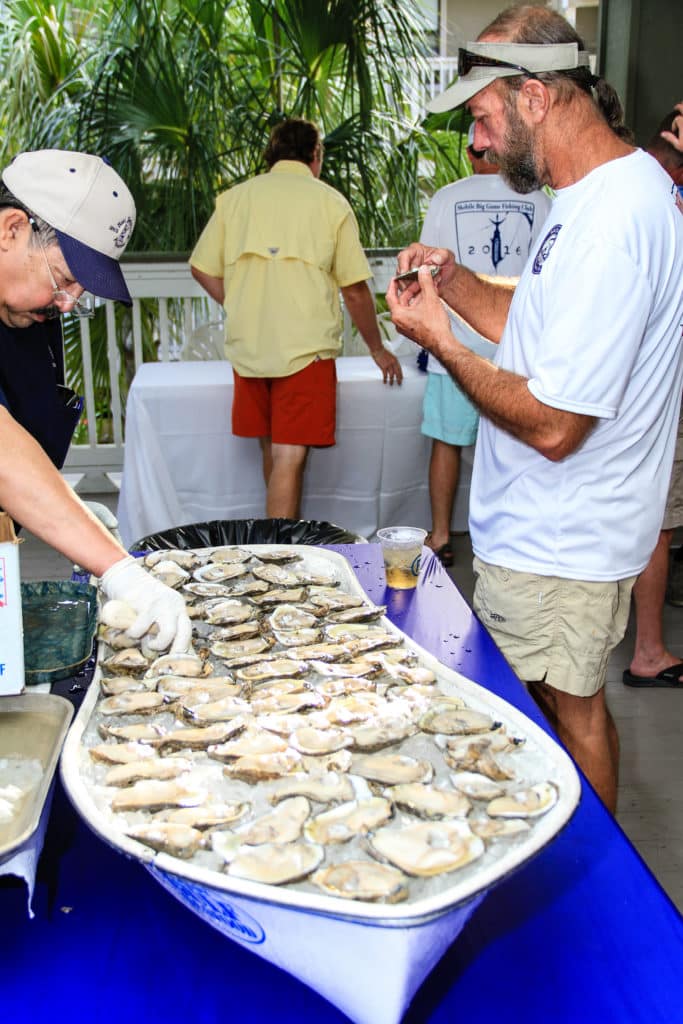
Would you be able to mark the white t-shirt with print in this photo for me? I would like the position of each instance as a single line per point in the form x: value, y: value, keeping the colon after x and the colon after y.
x: 595, y: 325
x: 490, y: 228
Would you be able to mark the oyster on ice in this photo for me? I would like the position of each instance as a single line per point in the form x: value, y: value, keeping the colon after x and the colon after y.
x: 342, y: 823
x: 331, y: 787
x: 362, y: 880
x: 179, y: 840
x: 428, y: 801
x: 391, y: 769
x: 427, y: 848
x: 526, y: 803
x: 283, y: 825
x: 154, y: 795
x: 276, y: 864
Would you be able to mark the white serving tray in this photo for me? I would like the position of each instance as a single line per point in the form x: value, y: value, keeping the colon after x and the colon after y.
x: 367, y: 958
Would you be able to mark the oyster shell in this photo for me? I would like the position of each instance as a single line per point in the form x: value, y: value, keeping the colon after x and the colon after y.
x: 381, y: 733
x: 476, y: 787
x: 237, y: 649
x: 277, y: 555
x: 126, y: 662
x: 261, y: 767
x: 176, y: 839
x: 283, y: 825
x: 153, y: 795
x: 297, y: 637
x: 198, y: 738
x: 246, y: 587
x: 288, y: 703
x: 185, y: 559
x: 365, y: 613
x: 288, y: 618
x: 111, y: 686
x: 229, y: 553
x: 323, y: 652
x: 139, y: 733
x: 526, y: 803
x: 201, y: 690
x: 169, y: 572
x: 240, y: 631
x: 428, y: 848
x: 207, y: 589
x: 229, y: 613
x: 272, y: 669
x: 207, y: 816
x: 182, y: 663
x: 224, y: 709
x: 308, y: 740
x: 359, y: 667
x: 117, y: 615
x: 443, y: 718
x: 332, y: 787
x: 277, y: 576
x: 362, y: 880
x: 427, y: 801
x: 275, y: 864
x: 282, y: 595
x: 357, y: 817
x: 476, y: 758
x: 498, y: 828
x: 219, y: 572
x: 319, y: 764
x: 251, y: 741
x: 147, y: 768
x: 391, y: 769
x: 121, y: 753
x: 132, y: 704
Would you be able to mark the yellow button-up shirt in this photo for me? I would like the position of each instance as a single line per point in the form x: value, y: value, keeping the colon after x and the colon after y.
x: 284, y: 244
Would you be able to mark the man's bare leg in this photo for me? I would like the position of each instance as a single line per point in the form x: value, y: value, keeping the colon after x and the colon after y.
x: 284, y: 465
x: 587, y: 729
x: 444, y: 471
x: 650, y: 654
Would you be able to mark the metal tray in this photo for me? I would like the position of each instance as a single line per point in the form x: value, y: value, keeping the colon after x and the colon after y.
x: 32, y: 725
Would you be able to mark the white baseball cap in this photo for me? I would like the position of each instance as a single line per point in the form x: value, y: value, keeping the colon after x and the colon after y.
x: 514, y: 58
x: 90, y: 207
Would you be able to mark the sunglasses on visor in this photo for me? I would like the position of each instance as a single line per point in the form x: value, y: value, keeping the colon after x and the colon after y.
x: 468, y: 60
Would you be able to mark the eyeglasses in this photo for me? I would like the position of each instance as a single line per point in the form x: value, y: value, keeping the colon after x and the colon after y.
x: 468, y: 60
x: 83, y: 307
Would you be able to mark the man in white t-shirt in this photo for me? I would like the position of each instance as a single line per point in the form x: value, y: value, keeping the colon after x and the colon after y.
x: 579, y: 411
x: 491, y: 229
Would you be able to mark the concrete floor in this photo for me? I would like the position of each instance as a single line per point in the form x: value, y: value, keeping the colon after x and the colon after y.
x: 650, y: 807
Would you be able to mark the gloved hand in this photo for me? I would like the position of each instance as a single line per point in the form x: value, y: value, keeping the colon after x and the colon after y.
x: 152, y: 600
x: 105, y: 516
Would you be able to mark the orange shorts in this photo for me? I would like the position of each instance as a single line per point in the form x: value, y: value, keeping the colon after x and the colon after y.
x: 299, y: 409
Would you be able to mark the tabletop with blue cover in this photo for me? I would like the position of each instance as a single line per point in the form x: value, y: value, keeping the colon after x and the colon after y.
x: 581, y: 933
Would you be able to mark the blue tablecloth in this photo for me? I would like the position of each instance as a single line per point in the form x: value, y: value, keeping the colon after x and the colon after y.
x: 581, y: 934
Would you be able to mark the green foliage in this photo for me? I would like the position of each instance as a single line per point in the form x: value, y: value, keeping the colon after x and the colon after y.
x: 181, y: 96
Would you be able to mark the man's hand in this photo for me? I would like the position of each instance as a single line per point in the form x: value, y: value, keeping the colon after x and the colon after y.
x: 392, y: 373
x: 154, y: 602
x: 419, y: 314
x: 675, y: 136
x: 418, y: 255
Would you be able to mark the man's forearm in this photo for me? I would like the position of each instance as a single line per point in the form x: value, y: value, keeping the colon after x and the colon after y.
x: 482, y: 302
x: 360, y: 304
x: 504, y: 398
x: 38, y: 497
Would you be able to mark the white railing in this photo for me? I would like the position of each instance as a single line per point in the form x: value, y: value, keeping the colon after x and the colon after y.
x: 180, y: 322
x: 433, y: 76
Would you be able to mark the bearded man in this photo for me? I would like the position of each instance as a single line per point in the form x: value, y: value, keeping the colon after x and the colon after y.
x: 579, y: 409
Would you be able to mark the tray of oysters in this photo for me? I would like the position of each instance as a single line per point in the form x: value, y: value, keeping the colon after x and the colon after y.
x: 305, y: 750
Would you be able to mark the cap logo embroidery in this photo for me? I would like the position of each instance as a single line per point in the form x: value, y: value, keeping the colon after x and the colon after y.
x: 122, y: 232
x: 545, y: 248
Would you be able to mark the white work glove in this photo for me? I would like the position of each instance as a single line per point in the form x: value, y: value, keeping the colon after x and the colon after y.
x: 106, y: 517
x: 153, y: 601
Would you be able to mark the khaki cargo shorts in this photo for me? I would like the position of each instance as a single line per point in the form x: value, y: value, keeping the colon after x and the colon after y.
x: 673, y: 513
x: 557, y: 630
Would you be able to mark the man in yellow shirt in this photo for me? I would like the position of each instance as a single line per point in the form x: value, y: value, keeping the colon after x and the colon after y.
x: 275, y: 253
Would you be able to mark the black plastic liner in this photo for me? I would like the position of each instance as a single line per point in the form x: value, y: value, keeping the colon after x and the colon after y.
x: 247, y: 531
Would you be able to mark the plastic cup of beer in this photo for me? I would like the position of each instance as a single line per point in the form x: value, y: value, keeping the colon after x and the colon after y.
x: 402, y: 550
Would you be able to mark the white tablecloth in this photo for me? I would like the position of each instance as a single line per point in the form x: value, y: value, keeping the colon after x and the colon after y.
x: 183, y: 465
